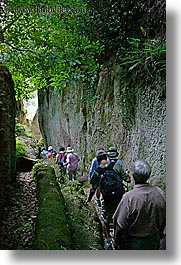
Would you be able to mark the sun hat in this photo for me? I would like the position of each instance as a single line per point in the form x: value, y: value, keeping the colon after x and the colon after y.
x: 100, y: 152
x: 112, y: 152
x: 69, y: 149
x: 50, y: 148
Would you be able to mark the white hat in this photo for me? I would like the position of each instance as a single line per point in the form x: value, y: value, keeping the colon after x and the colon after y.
x: 69, y: 150
x: 50, y: 148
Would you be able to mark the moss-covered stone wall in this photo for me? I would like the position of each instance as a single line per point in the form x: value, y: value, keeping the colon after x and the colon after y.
x: 64, y: 221
x: 52, y: 231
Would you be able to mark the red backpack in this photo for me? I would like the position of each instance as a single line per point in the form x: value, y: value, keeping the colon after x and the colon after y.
x: 61, y: 159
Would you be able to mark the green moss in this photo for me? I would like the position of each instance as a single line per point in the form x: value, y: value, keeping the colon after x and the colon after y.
x: 85, y: 225
x: 127, y: 101
x: 52, y: 229
x: 64, y: 220
x: 90, y: 131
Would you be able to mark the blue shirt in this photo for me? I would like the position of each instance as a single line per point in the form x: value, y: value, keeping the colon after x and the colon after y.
x: 94, y: 165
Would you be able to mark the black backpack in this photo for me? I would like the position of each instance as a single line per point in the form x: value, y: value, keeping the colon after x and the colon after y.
x: 110, y: 184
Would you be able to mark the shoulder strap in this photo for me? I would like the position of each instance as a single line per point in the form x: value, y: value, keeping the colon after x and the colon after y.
x: 111, y: 165
x: 101, y: 170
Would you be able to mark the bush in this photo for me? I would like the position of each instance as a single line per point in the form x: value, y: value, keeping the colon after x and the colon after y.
x: 20, y: 149
x: 20, y: 129
x: 40, y: 142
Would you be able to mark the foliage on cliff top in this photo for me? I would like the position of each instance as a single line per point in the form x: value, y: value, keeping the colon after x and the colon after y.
x: 54, y: 52
x: 72, y: 39
x: 114, y: 22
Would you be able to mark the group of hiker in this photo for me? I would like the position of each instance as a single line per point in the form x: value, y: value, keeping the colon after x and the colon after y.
x: 138, y: 215
x: 66, y: 159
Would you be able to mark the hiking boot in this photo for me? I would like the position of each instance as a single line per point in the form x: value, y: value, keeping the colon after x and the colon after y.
x: 108, y: 245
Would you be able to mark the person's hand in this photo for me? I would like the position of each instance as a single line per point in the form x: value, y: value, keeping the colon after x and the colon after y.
x: 127, y: 171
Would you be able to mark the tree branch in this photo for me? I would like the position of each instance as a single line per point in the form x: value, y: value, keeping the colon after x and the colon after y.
x: 10, y: 24
x: 18, y: 49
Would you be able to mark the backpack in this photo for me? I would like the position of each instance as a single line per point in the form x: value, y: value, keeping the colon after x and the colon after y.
x: 54, y: 153
x: 111, y: 185
x: 61, y: 159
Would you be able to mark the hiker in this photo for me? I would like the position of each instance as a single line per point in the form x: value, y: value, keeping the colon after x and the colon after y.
x: 44, y: 152
x: 61, y: 159
x: 94, y: 165
x: 109, y: 178
x: 71, y: 163
x: 140, y: 217
x: 50, y: 152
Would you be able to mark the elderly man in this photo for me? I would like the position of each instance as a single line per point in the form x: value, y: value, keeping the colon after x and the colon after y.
x: 140, y: 218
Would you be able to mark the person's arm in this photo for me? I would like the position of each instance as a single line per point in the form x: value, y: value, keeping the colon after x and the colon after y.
x: 121, y: 222
x: 124, y: 174
x: 67, y: 160
x: 118, y: 237
x: 94, y: 165
x: 94, y: 182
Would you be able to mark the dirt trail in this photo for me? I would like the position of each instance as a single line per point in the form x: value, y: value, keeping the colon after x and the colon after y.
x: 19, y: 224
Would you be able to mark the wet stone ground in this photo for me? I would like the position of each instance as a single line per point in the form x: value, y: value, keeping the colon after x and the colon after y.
x: 19, y: 224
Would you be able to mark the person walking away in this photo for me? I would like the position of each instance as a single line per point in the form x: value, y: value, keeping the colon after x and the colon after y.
x: 140, y: 218
x: 113, y: 154
x: 61, y: 160
x: 108, y: 177
x: 94, y: 165
x: 71, y: 163
x: 43, y: 153
x: 50, y: 152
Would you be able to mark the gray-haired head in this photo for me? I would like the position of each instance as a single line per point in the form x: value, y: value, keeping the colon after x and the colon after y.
x: 141, y: 171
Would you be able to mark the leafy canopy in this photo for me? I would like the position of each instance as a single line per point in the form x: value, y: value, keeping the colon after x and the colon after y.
x: 42, y: 45
x: 58, y: 43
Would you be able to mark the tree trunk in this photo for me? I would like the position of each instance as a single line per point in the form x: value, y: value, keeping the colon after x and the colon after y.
x: 7, y: 136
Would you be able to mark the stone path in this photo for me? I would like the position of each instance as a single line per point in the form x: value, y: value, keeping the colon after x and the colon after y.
x: 19, y: 224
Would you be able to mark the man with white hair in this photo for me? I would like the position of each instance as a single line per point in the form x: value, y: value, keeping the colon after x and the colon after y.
x: 140, y: 218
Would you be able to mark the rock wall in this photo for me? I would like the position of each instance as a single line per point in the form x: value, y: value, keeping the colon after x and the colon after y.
x: 7, y: 135
x: 117, y: 113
